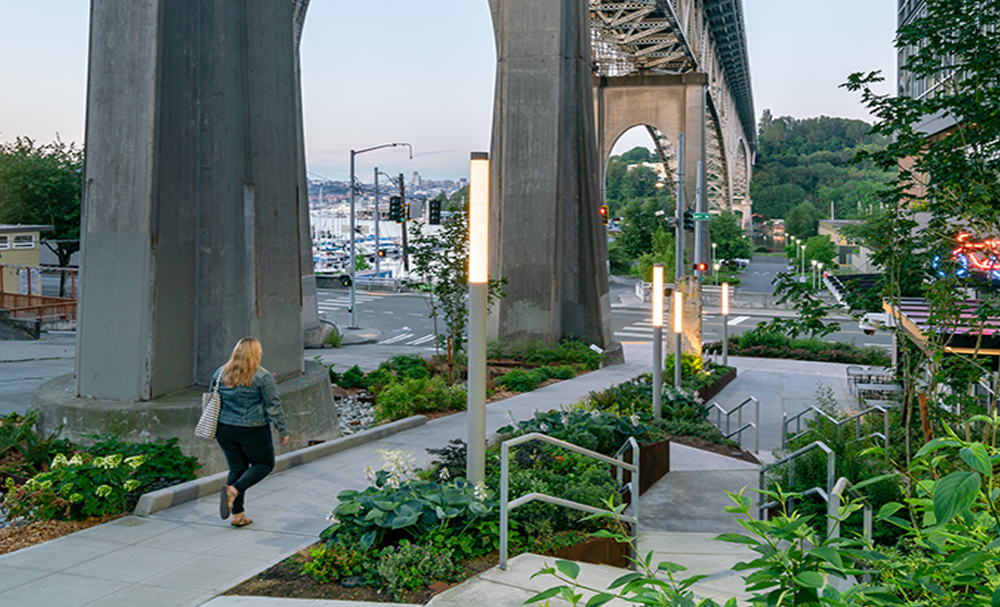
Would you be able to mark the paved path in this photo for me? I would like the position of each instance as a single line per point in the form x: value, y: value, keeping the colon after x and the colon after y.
x: 186, y: 555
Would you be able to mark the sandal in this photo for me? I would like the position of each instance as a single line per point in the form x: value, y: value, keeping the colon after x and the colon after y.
x: 243, y: 522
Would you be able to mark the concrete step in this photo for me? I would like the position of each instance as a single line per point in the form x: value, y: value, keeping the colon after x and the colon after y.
x: 700, y: 553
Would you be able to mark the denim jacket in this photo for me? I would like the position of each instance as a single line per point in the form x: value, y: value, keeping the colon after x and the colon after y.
x: 254, y: 405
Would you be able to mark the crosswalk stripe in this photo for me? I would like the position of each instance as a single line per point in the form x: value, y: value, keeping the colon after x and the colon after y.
x: 393, y: 340
x: 738, y: 320
x: 629, y: 334
x: 422, y: 340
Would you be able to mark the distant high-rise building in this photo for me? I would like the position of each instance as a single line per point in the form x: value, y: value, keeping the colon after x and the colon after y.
x: 415, y: 181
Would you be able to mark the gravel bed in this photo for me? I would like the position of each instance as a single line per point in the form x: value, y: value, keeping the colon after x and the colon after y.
x: 355, y: 413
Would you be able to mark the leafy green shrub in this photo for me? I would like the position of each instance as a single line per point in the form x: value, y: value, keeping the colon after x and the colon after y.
x: 332, y: 561
x: 594, y: 430
x: 389, y: 510
x: 408, y: 397
x: 450, y: 461
x: 23, y: 450
x: 695, y: 428
x: 411, y: 567
x: 763, y: 335
x: 526, y: 380
x: 407, y: 366
x: 691, y: 366
x: 566, y: 352
x: 164, y: 464
x: 378, y: 379
x: 75, y: 488
x: 352, y: 378
x: 333, y: 337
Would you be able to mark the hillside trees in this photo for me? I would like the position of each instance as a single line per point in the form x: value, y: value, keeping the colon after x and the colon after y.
x: 812, y: 160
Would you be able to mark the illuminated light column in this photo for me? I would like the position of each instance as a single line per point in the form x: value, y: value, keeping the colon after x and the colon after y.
x: 678, y: 328
x: 479, y: 209
x: 725, y: 324
x: 657, y: 340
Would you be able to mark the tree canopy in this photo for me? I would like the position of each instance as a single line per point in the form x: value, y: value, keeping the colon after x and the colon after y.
x: 43, y: 184
x: 811, y: 160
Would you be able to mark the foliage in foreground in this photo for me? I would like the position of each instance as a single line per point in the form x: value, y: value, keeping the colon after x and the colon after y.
x: 765, y: 341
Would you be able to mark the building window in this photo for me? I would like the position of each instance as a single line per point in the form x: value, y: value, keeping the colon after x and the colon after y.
x: 4, y: 241
x: 24, y: 241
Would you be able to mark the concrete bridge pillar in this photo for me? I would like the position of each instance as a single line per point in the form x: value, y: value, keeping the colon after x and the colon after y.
x: 192, y: 231
x: 672, y: 104
x: 547, y: 238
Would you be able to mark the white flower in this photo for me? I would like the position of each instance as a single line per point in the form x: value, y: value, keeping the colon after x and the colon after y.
x: 544, y: 427
x: 480, y: 492
x: 444, y: 474
x: 369, y: 474
x: 595, y: 414
x: 634, y: 418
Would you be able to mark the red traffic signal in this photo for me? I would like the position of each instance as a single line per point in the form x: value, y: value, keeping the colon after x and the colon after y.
x: 701, y: 267
x: 381, y: 253
x: 603, y: 210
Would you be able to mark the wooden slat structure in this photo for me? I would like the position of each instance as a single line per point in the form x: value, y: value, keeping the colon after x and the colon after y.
x: 967, y: 333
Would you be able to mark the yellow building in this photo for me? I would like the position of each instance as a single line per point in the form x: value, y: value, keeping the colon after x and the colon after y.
x: 20, y: 247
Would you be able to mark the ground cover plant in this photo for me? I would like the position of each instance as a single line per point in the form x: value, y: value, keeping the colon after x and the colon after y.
x: 764, y: 341
x: 407, y: 385
x: 413, y: 526
x: 52, y: 479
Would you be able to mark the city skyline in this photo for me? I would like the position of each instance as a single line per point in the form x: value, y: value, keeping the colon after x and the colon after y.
x: 422, y: 73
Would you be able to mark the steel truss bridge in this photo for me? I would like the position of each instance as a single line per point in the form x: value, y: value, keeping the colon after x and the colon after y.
x: 683, y: 37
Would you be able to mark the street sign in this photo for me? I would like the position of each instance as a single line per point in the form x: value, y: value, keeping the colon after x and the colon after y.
x: 702, y: 216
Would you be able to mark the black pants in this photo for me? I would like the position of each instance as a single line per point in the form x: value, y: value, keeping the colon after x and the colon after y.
x: 249, y: 454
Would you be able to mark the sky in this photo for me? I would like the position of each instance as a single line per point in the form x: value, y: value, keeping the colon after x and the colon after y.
x: 422, y: 71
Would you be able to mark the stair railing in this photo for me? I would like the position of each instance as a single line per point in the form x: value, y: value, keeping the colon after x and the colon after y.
x: 856, y: 418
x: 833, y: 505
x: 632, y: 487
x: 738, y: 409
x: 824, y: 492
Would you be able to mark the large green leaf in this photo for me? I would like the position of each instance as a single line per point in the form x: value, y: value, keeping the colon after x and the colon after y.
x: 954, y: 494
x: 978, y: 458
x: 810, y: 579
x: 568, y: 568
x: 935, y: 444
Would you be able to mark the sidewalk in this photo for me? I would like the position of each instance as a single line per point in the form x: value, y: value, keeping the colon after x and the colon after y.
x: 186, y: 555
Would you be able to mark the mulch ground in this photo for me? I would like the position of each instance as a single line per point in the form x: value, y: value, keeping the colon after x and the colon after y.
x: 287, y: 580
x: 15, y: 538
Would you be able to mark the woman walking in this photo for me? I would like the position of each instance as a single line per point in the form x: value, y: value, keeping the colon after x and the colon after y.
x: 250, y: 401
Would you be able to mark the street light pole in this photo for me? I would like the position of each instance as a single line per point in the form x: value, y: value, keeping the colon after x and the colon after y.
x: 657, y: 340
x: 378, y: 245
x: 353, y: 318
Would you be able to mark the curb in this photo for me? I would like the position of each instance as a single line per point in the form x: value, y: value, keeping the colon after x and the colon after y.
x: 156, y: 501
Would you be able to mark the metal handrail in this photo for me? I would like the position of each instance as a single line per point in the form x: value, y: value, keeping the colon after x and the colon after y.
x: 786, y: 421
x: 738, y: 409
x: 739, y: 432
x: 833, y: 505
x: 506, y: 505
x: 831, y: 467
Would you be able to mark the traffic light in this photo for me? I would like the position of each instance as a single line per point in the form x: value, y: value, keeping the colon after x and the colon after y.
x: 688, y: 219
x: 395, y: 208
x: 381, y: 253
x: 603, y: 210
x: 701, y: 267
x: 434, y: 212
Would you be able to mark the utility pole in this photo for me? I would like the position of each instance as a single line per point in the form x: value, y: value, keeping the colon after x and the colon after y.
x: 679, y: 259
x: 406, y: 214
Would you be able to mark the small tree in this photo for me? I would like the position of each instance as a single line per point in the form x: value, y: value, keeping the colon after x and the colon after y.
x: 442, y: 260
x: 730, y: 237
x: 42, y: 184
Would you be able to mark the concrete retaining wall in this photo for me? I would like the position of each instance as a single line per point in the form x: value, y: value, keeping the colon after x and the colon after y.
x: 307, y: 400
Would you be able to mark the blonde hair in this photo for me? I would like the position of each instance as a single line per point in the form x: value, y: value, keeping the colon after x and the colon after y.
x: 243, y: 363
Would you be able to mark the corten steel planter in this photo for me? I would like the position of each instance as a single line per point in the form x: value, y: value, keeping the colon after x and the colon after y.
x: 599, y: 551
x: 706, y: 393
x: 654, y: 463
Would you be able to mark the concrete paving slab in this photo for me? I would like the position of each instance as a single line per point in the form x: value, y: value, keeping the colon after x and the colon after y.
x: 130, y: 564
x: 693, y: 501
x: 209, y: 574
x: 58, y: 554
x: 192, y: 538
x: 684, y: 458
x: 151, y: 596
x: 60, y: 589
x: 14, y: 576
x: 127, y: 530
